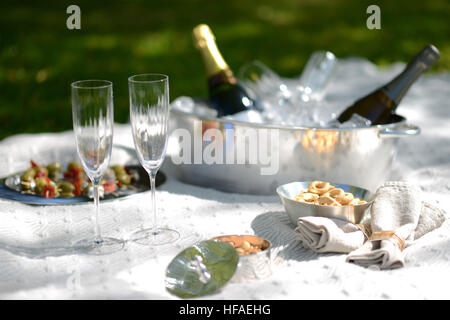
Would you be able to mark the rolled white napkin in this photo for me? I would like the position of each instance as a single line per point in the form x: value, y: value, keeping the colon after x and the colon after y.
x: 397, y: 208
x: 398, y: 217
x: 329, y: 235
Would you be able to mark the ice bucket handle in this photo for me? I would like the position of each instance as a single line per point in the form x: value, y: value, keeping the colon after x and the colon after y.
x: 404, y: 130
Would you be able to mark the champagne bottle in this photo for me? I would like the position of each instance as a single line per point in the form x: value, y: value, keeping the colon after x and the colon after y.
x: 379, y: 106
x: 227, y: 96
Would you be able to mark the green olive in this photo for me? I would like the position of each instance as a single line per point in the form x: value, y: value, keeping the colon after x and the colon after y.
x: 67, y: 194
x: 74, y: 164
x: 66, y: 187
x: 40, y: 184
x: 124, y: 178
x: 29, y: 174
x: 119, y: 169
x: 54, y: 166
x: 54, y: 175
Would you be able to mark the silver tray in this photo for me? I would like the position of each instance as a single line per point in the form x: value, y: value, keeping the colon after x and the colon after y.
x: 123, y: 155
x: 7, y: 191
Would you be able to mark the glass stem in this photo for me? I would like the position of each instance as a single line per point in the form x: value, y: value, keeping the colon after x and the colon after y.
x: 152, y: 175
x: 98, y: 237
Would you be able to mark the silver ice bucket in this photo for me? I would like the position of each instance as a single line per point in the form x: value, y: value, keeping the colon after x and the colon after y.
x: 242, y: 157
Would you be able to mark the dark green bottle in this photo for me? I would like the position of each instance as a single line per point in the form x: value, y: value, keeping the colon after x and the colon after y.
x: 379, y: 106
x: 227, y: 96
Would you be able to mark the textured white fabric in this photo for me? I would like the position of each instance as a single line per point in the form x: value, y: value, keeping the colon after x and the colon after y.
x: 329, y: 235
x: 397, y: 207
x: 200, y: 213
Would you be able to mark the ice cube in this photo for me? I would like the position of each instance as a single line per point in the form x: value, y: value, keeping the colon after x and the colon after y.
x: 183, y: 103
x: 189, y: 105
x: 291, y: 114
x: 356, y: 121
x: 251, y: 116
x: 203, y: 110
x: 317, y: 113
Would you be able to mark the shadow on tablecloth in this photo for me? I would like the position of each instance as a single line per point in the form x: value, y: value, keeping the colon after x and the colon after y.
x: 276, y: 227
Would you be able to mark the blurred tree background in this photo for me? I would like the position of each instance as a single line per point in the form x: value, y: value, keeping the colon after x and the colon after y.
x: 40, y: 57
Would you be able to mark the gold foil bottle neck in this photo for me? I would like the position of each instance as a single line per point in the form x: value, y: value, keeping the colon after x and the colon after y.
x: 205, y: 42
x: 201, y: 35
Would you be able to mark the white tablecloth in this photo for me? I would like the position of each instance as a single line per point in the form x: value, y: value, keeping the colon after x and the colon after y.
x: 30, y: 270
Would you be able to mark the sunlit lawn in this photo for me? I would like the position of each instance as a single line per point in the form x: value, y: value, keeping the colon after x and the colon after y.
x: 40, y: 57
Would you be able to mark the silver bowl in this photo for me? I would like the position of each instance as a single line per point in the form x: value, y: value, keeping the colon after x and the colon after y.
x: 296, y: 209
x: 357, y: 156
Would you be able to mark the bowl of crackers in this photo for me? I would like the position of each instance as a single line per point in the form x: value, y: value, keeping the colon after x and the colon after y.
x: 325, y: 199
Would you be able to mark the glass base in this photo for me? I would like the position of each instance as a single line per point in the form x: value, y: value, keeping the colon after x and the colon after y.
x: 152, y: 237
x: 95, y: 247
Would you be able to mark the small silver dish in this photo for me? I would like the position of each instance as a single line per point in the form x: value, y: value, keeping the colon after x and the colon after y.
x: 201, y: 269
x: 251, y: 266
x: 207, y: 266
x: 296, y: 209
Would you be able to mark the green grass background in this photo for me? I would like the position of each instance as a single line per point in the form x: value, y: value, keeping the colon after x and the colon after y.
x: 40, y: 57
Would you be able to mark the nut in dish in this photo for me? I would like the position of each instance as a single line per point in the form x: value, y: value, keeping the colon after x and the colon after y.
x: 245, y: 244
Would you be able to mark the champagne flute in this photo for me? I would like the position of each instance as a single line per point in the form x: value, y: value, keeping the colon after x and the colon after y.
x: 93, y: 120
x: 263, y: 81
x: 149, y: 117
x: 316, y: 76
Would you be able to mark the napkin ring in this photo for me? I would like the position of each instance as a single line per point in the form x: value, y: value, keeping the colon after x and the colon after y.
x: 388, y: 235
x: 366, y: 229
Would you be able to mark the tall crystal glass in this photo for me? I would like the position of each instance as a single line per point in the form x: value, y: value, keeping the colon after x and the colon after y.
x: 93, y: 120
x: 316, y: 76
x: 149, y: 117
